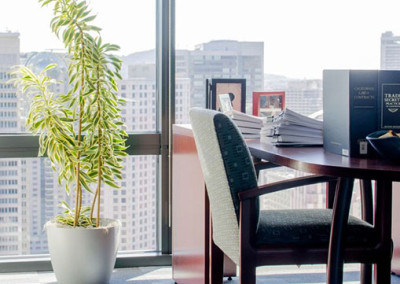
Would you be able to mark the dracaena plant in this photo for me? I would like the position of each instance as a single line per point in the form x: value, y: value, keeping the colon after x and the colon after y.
x: 81, y: 132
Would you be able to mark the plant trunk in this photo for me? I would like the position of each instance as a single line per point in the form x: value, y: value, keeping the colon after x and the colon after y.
x: 81, y: 110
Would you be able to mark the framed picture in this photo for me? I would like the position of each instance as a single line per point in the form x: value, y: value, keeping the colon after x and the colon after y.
x: 225, y: 100
x: 235, y: 88
x: 268, y: 103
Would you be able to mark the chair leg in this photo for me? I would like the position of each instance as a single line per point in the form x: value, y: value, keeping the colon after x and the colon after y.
x: 216, y: 264
x: 383, y: 272
x: 366, y: 273
x: 383, y: 221
x: 247, y: 273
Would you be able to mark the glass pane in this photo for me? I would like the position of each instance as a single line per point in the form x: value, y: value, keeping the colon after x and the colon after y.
x: 280, y: 46
x: 34, y: 45
x: 305, y: 197
x: 30, y: 194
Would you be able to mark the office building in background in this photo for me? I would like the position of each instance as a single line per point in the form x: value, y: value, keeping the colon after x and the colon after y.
x: 390, y: 51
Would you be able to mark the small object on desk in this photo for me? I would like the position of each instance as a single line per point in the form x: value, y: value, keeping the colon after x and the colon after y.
x: 386, y: 143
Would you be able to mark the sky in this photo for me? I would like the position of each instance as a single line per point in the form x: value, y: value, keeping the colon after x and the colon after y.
x: 301, y: 37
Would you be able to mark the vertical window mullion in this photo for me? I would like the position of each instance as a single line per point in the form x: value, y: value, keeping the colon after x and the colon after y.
x: 165, y: 78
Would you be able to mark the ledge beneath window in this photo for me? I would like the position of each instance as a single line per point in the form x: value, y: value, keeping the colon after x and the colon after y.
x: 42, y: 262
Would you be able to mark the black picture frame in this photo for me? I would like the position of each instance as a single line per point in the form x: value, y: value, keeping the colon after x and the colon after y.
x: 217, y: 86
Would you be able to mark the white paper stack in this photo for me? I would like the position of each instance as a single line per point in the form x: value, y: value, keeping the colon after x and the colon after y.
x: 290, y: 128
x: 249, y: 125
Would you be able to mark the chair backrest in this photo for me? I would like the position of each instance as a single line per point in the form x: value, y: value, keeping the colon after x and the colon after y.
x: 227, y: 169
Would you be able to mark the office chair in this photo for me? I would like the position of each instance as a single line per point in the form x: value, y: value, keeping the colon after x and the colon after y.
x: 241, y: 231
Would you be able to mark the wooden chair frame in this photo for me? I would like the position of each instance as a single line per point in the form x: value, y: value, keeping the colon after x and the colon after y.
x: 252, y: 256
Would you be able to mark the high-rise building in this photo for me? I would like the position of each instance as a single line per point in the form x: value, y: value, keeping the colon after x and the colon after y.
x: 9, y: 56
x: 214, y: 59
x: 12, y: 198
x: 390, y: 51
x: 304, y: 96
x: 224, y: 59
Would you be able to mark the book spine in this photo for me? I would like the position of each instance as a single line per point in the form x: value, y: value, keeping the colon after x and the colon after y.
x: 389, y: 100
x: 336, y: 111
x: 363, y: 111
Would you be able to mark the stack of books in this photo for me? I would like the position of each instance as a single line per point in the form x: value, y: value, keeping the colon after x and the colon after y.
x: 249, y: 125
x: 290, y: 128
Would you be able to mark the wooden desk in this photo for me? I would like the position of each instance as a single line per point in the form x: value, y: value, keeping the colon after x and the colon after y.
x: 315, y: 160
x: 190, y: 227
x: 190, y: 214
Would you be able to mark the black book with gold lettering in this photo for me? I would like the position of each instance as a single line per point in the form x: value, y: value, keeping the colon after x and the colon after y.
x: 389, y: 100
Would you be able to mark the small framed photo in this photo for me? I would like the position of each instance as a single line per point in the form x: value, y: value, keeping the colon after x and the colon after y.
x: 235, y: 88
x: 225, y: 101
x: 268, y: 103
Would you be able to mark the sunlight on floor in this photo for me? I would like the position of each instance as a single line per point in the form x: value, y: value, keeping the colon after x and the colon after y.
x: 314, y: 274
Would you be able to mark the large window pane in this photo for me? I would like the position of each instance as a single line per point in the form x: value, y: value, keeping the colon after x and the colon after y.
x: 30, y: 195
x: 29, y: 192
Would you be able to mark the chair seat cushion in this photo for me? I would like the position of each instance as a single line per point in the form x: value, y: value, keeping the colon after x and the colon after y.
x: 307, y: 226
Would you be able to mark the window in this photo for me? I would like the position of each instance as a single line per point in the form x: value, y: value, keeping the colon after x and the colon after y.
x: 29, y: 183
x: 289, y: 57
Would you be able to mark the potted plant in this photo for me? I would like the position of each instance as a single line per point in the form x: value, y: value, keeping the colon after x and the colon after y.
x: 82, y: 134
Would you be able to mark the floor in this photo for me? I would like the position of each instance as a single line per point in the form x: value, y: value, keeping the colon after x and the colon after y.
x: 314, y: 274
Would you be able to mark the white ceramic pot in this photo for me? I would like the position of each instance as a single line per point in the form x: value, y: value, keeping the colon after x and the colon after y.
x: 83, y: 255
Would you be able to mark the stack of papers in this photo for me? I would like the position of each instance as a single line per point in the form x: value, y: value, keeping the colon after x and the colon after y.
x: 249, y: 125
x: 290, y: 128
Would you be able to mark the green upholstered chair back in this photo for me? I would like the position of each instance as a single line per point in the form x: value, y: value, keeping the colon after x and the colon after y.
x: 228, y: 169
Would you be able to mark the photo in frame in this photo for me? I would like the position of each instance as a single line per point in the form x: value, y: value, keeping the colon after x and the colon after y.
x: 268, y: 103
x: 225, y: 101
x: 236, y: 88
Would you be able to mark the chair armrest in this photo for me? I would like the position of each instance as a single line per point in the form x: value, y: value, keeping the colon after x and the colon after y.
x: 281, y: 185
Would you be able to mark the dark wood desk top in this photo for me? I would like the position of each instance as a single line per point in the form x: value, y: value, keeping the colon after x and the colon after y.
x: 317, y: 161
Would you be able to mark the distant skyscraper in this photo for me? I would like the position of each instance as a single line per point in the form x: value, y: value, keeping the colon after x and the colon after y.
x: 9, y: 56
x: 304, y: 96
x: 224, y: 59
x: 390, y: 51
x: 214, y: 59
x: 12, y: 218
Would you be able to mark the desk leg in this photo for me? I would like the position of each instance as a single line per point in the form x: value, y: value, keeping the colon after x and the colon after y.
x: 383, y: 222
x: 340, y: 218
x: 330, y: 193
x: 367, y: 215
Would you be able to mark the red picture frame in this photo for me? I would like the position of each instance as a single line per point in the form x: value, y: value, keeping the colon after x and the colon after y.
x: 268, y: 103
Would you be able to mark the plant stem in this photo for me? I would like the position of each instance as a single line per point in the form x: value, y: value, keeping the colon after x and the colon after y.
x: 100, y: 160
x: 98, y: 192
x: 81, y: 102
x: 93, y: 205
x: 99, y: 143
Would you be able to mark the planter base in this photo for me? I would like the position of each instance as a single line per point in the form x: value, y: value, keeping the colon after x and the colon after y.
x: 83, y: 255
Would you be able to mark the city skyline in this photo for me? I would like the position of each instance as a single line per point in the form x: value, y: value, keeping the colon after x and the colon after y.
x: 301, y: 38
x: 28, y: 187
x: 29, y: 192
